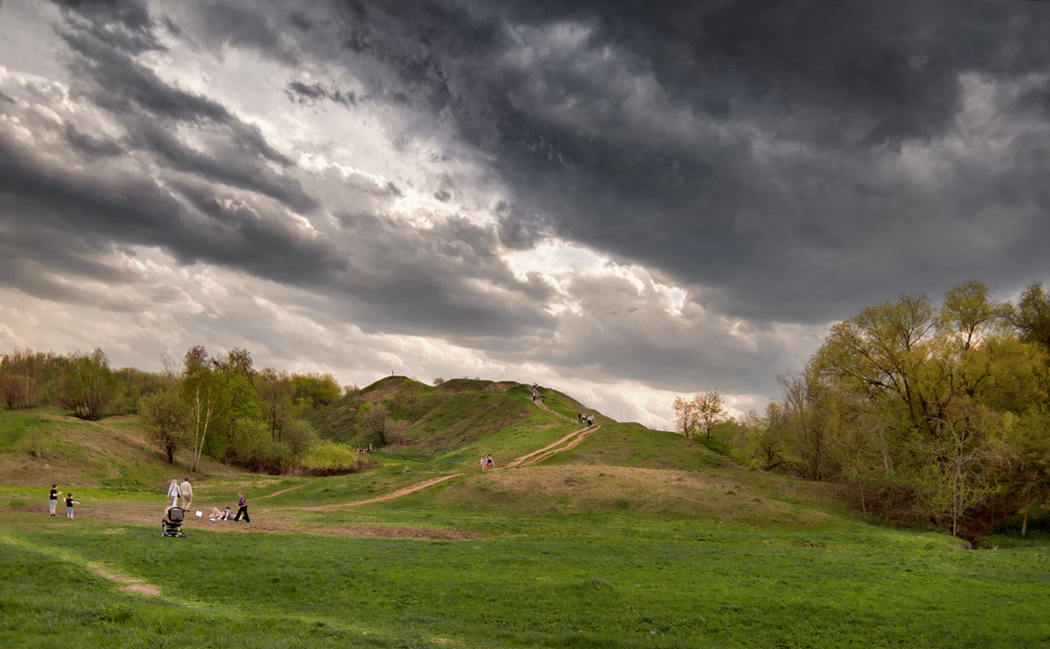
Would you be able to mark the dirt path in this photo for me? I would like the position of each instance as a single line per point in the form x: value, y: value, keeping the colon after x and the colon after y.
x: 278, y: 493
x: 524, y: 459
x: 580, y: 436
x: 404, y: 491
x: 129, y: 584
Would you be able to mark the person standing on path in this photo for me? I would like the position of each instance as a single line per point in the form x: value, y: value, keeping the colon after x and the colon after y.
x: 69, y: 505
x: 173, y: 492
x: 187, y: 492
x: 242, y: 508
x: 52, y: 499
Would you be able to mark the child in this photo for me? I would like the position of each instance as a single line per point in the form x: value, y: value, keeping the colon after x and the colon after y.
x: 69, y: 505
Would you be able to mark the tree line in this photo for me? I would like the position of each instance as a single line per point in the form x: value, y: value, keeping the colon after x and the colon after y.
x: 220, y: 406
x: 928, y: 413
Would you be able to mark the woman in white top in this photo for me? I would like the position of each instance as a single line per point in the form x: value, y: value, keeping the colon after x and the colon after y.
x: 173, y: 492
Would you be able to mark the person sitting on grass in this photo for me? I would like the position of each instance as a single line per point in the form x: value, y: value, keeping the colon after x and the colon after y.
x: 216, y: 515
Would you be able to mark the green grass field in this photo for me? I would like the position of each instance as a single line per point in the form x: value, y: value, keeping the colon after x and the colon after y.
x: 633, y: 538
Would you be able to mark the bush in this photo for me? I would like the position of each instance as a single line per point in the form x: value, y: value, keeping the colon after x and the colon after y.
x: 328, y: 458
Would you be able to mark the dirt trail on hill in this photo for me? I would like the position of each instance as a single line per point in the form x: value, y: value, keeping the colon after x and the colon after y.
x: 579, y: 437
x: 278, y: 493
x: 526, y: 460
x: 404, y: 491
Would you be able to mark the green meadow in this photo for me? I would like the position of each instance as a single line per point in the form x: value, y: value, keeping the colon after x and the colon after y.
x: 632, y: 538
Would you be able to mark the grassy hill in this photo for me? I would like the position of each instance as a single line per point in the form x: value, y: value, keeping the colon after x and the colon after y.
x: 44, y: 446
x: 613, y: 536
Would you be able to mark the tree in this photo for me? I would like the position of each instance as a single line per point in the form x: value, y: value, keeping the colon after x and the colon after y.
x: 1028, y: 478
x: 685, y: 415
x: 1032, y: 317
x: 967, y: 313
x: 375, y: 421
x: 275, y: 392
x: 87, y: 385
x: 710, y: 410
x: 166, y: 419
x: 959, y: 461
x: 199, y: 390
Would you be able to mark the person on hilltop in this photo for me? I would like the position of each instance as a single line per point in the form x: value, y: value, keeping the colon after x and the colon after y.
x: 242, y: 508
x: 187, y: 493
x: 173, y: 492
x: 52, y: 499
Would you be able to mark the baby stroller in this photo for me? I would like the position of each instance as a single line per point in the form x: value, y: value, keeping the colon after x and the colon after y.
x: 171, y: 524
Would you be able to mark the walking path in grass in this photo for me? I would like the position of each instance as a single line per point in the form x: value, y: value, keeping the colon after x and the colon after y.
x: 404, y: 491
x: 575, y: 438
x: 526, y: 460
x: 130, y: 584
x: 278, y: 493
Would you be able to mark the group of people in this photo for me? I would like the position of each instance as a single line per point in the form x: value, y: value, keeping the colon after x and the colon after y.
x: 486, y: 463
x: 52, y: 499
x: 185, y: 492
x: 584, y: 419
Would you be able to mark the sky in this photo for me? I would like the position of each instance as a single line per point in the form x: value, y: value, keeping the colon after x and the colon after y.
x: 624, y: 201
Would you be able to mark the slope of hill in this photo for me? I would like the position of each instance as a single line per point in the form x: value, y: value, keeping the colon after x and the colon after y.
x: 43, y: 446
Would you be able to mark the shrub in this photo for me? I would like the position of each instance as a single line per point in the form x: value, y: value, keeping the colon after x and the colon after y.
x: 329, y: 458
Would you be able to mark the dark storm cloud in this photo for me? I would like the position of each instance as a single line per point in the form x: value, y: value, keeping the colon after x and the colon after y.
x: 188, y: 176
x: 640, y: 129
x: 422, y: 282
x: 239, y: 24
x: 235, y: 152
x: 309, y: 94
x: 123, y: 24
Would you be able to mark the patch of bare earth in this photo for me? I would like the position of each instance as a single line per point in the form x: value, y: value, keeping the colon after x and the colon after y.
x: 130, y: 585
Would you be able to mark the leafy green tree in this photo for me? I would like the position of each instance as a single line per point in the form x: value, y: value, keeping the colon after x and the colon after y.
x: 166, y: 418
x: 1032, y: 317
x: 198, y: 391
x: 275, y: 393
x: 1028, y: 476
x: 88, y: 385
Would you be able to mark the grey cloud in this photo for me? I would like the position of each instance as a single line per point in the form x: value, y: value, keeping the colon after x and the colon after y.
x: 92, y: 146
x: 240, y: 24
x: 123, y: 24
x: 683, y: 187
x: 310, y: 94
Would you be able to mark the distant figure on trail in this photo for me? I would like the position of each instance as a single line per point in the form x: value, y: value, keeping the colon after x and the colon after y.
x: 69, y: 505
x: 488, y: 461
x: 187, y: 493
x: 483, y: 464
x: 242, y: 508
x: 173, y: 492
x: 543, y: 398
x: 590, y: 420
x: 52, y: 500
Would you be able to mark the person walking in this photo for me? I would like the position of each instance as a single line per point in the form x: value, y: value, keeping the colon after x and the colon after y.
x: 482, y: 461
x: 52, y: 500
x: 242, y: 508
x: 69, y: 505
x: 488, y: 462
x: 186, y: 489
x: 173, y: 492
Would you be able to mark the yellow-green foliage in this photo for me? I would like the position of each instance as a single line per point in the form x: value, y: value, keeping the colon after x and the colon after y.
x: 329, y: 458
